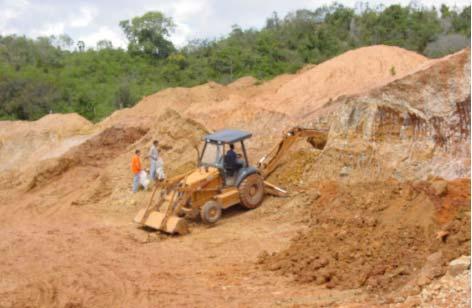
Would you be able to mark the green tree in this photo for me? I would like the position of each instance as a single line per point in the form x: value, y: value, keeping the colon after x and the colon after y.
x: 26, y: 99
x: 149, y: 34
x: 123, y: 97
x: 461, y: 22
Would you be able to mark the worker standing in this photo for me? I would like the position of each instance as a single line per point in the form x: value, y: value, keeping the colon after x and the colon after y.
x: 154, y: 158
x: 136, y: 169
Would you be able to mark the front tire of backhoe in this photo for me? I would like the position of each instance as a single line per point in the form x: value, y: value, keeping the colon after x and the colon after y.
x: 251, y: 191
x: 210, y: 212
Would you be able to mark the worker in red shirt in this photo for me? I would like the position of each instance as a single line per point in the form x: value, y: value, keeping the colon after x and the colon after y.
x: 136, y: 169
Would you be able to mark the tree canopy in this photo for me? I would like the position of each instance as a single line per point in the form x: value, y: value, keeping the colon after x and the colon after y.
x: 149, y: 34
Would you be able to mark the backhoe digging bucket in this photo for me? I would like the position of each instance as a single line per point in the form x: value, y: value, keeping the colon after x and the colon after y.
x: 273, y: 190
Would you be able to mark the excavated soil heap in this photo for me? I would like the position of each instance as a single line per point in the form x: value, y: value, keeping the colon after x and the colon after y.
x: 377, y: 235
x: 94, y: 152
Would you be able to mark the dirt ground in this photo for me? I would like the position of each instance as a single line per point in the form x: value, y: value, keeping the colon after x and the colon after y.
x: 69, y: 256
x: 67, y: 243
x: 58, y: 254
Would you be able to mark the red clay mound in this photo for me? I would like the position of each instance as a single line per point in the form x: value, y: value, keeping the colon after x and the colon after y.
x: 378, y: 235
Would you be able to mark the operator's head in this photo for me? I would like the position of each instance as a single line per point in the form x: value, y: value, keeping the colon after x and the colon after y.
x: 137, y: 152
x: 155, y: 142
x: 231, y: 146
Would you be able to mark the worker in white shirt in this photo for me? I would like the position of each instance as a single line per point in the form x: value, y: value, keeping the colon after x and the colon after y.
x: 154, y: 157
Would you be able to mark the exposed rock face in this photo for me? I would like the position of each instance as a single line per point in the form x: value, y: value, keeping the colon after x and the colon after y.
x: 409, y: 129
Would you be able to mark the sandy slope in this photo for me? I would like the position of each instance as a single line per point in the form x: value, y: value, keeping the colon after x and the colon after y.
x: 22, y: 142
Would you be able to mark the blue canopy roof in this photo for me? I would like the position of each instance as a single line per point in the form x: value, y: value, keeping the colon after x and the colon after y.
x: 227, y: 136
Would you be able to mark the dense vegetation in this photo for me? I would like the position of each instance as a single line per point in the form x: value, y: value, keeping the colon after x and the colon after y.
x: 48, y: 74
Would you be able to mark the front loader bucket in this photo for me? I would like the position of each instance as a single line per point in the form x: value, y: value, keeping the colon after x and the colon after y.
x: 159, y: 221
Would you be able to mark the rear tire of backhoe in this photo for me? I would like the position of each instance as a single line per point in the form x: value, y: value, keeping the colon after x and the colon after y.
x: 210, y: 212
x: 251, y: 191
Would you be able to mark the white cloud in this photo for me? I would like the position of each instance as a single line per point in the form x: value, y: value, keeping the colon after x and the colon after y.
x: 184, y: 9
x: 181, y: 35
x: 15, y: 4
x: 5, y: 17
x: 49, y: 29
x: 183, y: 12
x: 9, y: 12
x: 86, y: 15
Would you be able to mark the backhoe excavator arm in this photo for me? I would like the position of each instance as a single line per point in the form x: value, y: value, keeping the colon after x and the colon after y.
x: 268, y: 163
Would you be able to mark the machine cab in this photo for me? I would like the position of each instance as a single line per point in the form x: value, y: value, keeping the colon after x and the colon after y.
x: 225, y: 151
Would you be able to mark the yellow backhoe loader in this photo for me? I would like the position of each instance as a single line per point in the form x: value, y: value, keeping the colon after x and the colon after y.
x: 220, y: 181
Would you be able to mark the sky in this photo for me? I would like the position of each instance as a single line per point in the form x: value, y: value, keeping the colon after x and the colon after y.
x: 92, y: 21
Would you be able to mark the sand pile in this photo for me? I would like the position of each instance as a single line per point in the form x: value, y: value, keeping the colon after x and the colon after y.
x: 65, y: 123
x: 353, y: 72
x: 378, y: 235
x: 178, y: 99
x: 23, y: 143
x: 97, y: 170
x: 104, y: 159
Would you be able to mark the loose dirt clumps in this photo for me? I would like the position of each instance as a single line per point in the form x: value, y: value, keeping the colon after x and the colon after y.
x: 375, y: 235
